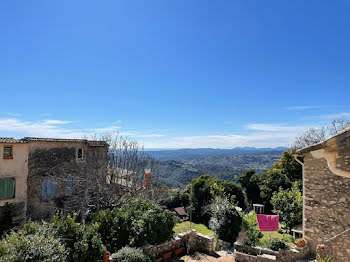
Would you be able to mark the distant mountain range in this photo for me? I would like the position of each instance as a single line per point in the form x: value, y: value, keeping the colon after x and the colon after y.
x: 193, y: 153
x: 178, y: 167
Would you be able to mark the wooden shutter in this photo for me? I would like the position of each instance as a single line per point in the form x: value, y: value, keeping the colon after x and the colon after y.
x: 48, y: 189
x: 7, y: 188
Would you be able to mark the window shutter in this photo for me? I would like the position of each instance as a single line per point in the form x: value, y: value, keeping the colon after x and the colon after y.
x: 2, y: 189
x: 48, y: 189
x: 7, y: 188
x: 10, y: 188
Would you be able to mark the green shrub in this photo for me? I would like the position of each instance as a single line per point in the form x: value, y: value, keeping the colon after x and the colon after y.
x: 135, y: 224
x: 251, y: 229
x: 8, y: 212
x: 276, y: 244
x: 175, y: 199
x: 203, y: 191
x: 289, y: 205
x: 33, y: 243
x: 226, y: 220
x: 83, y: 241
x: 129, y: 254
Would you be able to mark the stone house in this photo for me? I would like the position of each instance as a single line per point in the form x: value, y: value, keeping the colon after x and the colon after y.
x: 326, y: 182
x: 42, y: 175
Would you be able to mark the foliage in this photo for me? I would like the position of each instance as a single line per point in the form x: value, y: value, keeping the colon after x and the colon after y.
x: 268, y: 236
x: 226, y: 220
x: 135, y: 224
x: 317, y: 135
x: 325, y: 259
x: 34, y: 242
x: 128, y: 254
x: 202, y: 189
x: 271, y: 181
x: 250, y: 181
x: 176, y: 198
x: 289, y: 166
x: 83, y: 241
x: 288, y: 204
x: 8, y: 213
x: 251, y: 229
x: 200, y: 228
x: 276, y: 244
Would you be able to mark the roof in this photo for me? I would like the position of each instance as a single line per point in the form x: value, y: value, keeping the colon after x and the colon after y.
x: 11, y: 140
x: 345, y: 132
x: 180, y: 211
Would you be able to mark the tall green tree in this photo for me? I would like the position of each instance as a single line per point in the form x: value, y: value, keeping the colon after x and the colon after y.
x: 202, y: 194
x: 250, y: 181
x: 289, y: 166
x: 226, y: 220
x: 289, y: 205
x: 271, y: 181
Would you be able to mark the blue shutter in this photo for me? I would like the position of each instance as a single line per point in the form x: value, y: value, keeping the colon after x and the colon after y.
x: 69, y: 186
x: 48, y: 189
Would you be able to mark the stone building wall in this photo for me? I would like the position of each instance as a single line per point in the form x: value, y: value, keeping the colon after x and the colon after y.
x: 57, y: 178
x: 327, y: 198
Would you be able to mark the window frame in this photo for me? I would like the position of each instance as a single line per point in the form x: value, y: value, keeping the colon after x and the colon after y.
x: 7, y: 157
x: 82, y: 154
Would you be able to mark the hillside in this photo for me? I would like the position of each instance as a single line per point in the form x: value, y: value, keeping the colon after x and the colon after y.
x: 179, y: 167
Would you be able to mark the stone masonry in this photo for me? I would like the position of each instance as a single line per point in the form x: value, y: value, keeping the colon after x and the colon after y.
x: 326, y: 180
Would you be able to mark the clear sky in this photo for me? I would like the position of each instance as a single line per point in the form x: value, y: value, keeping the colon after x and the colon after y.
x: 174, y: 74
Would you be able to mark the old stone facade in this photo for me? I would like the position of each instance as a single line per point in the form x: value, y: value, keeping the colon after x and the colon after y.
x: 326, y: 180
x: 54, y: 174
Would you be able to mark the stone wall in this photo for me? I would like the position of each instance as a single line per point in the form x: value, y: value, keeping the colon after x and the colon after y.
x: 327, y: 205
x: 58, y: 180
x: 191, y: 239
x: 245, y: 253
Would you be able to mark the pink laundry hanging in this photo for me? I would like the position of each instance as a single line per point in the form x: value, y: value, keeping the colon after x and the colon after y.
x: 268, y: 222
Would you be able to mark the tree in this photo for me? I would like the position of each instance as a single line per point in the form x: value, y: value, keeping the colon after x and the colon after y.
x: 317, y: 135
x: 250, y: 181
x: 288, y: 204
x: 226, y: 220
x: 174, y: 199
x: 203, y: 190
x: 136, y: 223
x: 271, y: 181
x: 82, y: 241
x: 289, y: 166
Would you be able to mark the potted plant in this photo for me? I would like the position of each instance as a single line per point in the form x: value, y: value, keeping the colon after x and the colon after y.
x: 300, y: 242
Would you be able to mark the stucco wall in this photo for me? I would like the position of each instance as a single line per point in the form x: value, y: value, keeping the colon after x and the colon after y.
x: 16, y: 167
x: 327, y: 203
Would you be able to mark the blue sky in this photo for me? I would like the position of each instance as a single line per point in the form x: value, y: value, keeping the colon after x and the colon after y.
x: 174, y: 74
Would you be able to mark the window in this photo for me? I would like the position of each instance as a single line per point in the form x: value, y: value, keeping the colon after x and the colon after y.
x: 7, y: 188
x: 80, y: 153
x: 48, y: 189
x: 69, y: 186
x: 8, y: 152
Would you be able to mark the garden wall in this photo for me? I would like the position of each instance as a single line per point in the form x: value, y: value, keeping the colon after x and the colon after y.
x: 196, y: 241
x: 244, y: 253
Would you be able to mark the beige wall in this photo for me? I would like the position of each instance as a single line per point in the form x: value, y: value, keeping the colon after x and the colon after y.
x: 17, y: 168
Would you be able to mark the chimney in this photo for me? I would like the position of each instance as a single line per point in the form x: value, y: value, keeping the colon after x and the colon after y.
x: 147, y: 180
